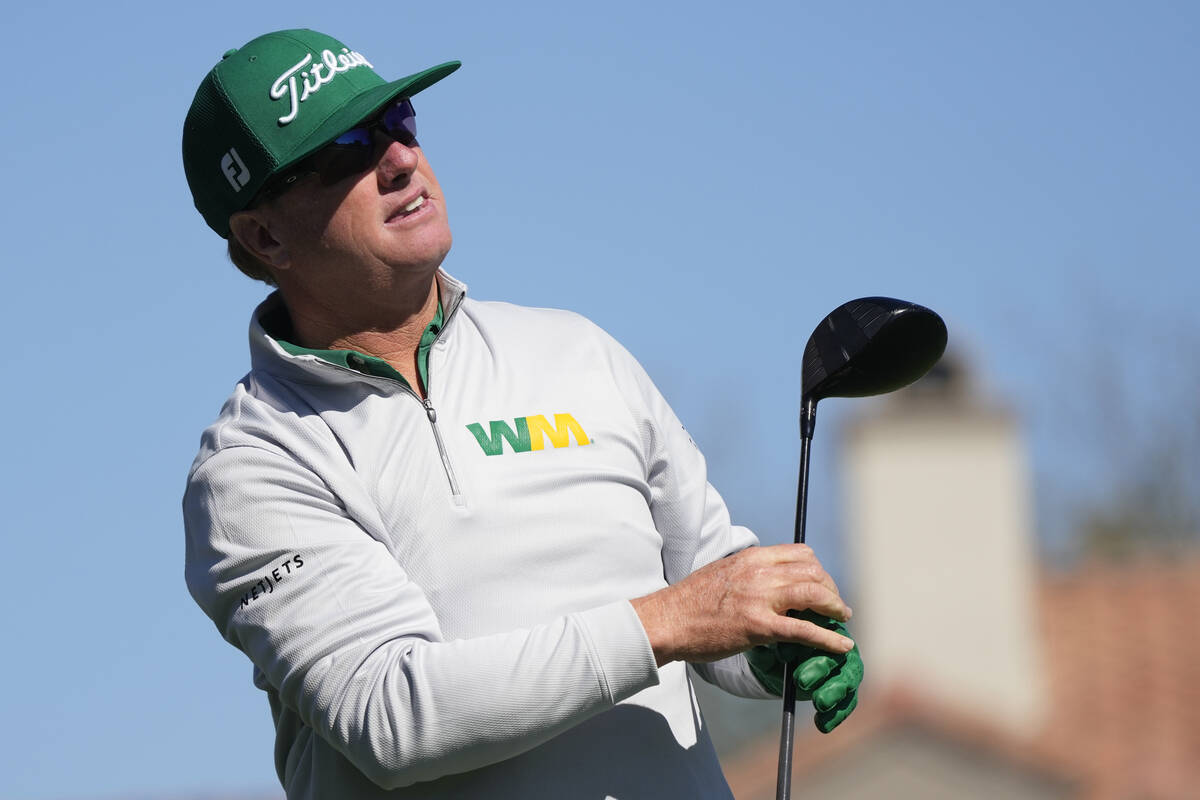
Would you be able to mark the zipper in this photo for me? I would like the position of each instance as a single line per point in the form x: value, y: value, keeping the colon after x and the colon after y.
x: 431, y: 412
x: 431, y: 415
x: 437, y: 436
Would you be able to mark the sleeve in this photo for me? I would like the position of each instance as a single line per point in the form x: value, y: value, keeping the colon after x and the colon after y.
x: 688, y: 512
x: 352, y: 645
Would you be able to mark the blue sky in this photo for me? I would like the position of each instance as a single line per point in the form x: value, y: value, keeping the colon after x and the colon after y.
x: 705, y: 181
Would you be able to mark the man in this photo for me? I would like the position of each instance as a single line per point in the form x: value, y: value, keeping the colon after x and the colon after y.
x: 467, y: 546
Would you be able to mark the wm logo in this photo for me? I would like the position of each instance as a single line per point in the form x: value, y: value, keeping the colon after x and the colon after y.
x: 530, y: 433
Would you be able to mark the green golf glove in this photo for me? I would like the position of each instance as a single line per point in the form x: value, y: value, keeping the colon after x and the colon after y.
x: 829, y: 681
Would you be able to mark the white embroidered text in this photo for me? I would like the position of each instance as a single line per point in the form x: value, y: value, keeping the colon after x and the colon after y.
x: 320, y: 73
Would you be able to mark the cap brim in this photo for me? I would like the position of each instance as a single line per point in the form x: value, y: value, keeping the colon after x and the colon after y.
x: 358, y: 108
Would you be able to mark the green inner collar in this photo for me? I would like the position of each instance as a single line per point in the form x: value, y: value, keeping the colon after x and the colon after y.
x: 370, y: 365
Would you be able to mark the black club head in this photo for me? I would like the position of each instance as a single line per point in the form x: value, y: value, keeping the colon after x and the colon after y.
x: 869, y: 346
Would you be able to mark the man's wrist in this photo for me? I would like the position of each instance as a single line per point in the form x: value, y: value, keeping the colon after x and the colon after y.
x: 658, y: 620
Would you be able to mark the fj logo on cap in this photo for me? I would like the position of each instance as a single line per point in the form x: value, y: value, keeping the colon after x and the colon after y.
x: 235, y: 169
x: 316, y: 76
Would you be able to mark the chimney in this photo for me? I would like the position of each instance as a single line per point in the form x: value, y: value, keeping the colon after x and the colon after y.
x: 938, y: 517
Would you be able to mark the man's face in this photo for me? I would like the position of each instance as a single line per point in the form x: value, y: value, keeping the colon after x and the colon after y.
x: 370, y: 237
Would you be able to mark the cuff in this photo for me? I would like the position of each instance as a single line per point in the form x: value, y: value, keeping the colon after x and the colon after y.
x: 736, y: 676
x: 619, y: 649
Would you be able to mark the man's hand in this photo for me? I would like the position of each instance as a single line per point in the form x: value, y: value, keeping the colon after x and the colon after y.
x: 831, y: 682
x: 741, y: 601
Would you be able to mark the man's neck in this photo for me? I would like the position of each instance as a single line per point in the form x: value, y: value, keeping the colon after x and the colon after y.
x: 392, y: 335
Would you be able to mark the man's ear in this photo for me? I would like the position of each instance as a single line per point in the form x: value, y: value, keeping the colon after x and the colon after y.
x: 252, y: 231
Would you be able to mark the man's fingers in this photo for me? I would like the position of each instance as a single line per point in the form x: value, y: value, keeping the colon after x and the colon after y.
x: 780, y: 553
x: 814, y: 573
x: 828, y: 720
x: 803, y: 631
x: 813, y: 671
x: 817, y: 598
x: 853, y: 668
x: 842, y: 683
x: 832, y: 693
x: 800, y: 562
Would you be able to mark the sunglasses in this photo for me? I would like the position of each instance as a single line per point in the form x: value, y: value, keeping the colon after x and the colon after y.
x: 353, y: 152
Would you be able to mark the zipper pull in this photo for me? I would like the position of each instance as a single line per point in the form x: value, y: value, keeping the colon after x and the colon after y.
x: 429, y: 410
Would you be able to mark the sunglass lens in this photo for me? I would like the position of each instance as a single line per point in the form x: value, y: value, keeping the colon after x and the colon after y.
x: 355, y: 136
x: 339, y: 160
x: 400, y: 122
x: 353, y: 151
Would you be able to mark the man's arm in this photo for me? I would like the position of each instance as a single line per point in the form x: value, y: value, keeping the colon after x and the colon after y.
x: 352, y: 645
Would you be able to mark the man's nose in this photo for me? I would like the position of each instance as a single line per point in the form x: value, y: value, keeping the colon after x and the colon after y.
x: 397, y: 164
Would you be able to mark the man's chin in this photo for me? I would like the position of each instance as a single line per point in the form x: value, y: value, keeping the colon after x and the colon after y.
x: 421, y: 249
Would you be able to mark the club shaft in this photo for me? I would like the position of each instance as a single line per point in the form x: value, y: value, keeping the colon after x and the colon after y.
x: 787, y: 734
x: 802, y: 491
x: 783, y: 782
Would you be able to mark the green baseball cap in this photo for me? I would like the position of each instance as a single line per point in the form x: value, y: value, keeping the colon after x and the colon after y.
x: 270, y: 104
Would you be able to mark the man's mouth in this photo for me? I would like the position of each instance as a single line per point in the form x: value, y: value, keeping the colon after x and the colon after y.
x: 411, y: 207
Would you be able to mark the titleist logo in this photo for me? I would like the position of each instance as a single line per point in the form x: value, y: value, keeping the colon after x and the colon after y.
x: 320, y: 73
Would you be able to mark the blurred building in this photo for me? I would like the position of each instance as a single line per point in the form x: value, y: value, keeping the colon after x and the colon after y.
x: 988, y: 676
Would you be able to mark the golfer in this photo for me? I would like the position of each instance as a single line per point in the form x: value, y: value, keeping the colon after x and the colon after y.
x: 467, y: 545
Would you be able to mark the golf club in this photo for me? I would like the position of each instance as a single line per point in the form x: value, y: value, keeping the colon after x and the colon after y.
x: 868, y: 346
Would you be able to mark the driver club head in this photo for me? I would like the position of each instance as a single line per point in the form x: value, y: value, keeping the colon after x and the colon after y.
x: 869, y: 346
